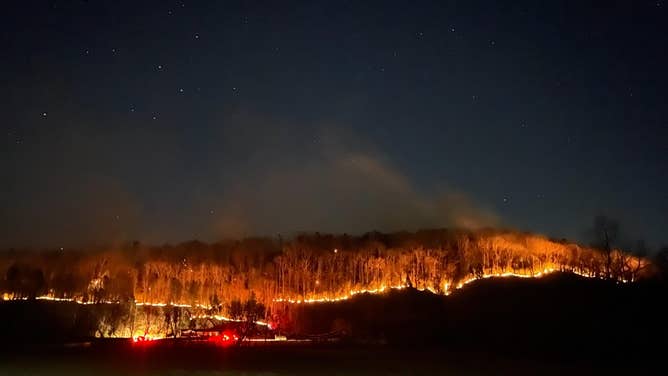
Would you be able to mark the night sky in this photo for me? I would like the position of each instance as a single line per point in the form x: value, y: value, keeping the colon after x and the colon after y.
x: 167, y: 121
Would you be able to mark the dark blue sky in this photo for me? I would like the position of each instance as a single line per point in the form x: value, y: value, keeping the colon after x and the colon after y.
x: 166, y: 121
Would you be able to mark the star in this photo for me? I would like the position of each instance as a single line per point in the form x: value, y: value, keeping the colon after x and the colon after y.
x: 113, y: 50
x: 155, y: 117
x: 211, y: 211
x: 196, y: 36
x: 505, y: 200
x: 452, y: 29
x: 492, y: 42
x: 181, y: 90
x: 44, y: 114
x: 159, y: 67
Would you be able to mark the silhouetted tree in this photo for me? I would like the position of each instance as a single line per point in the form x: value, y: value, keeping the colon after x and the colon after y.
x: 13, y: 279
x: 661, y: 263
x: 215, y: 305
x: 172, y: 319
x: 175, y: 288
x: 605, y: 235
x: 248, y: 313
x: 640, y: 252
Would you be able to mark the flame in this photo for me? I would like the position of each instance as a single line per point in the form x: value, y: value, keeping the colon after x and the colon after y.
x: 350, y: 294
x: 446, y: 289
x: 447, y: 286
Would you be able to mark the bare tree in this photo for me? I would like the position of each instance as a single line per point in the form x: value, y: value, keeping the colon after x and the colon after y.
x: 640, y: 252
x: 172, y: 319
x: 605, y: 236
x: 661, y: 263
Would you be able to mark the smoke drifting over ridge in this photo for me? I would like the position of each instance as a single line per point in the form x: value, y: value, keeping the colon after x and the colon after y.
x: 254, y: 176
x: 329, y: 182
x: 346, y: 192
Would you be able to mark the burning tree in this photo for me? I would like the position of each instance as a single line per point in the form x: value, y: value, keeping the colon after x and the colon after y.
x: 239, y: 279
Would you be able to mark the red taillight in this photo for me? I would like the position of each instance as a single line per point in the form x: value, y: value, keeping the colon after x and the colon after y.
x: 224, y: 339
x: 142, y: 339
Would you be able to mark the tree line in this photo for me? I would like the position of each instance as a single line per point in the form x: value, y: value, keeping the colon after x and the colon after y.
x: 309, y: 266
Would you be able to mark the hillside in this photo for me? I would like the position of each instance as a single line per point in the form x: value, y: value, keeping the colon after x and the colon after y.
x: 561, y: 315
x: 146, y: 284
x: 558, y: 322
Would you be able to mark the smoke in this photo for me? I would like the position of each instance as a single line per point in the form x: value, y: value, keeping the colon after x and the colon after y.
x: 348, y: 192
x: 247, y: 175
x: 331, y: 182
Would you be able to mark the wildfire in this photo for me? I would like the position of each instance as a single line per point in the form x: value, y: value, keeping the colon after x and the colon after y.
x: 350, y: 294
x: 228, y: 319
x: 446, y: 289
x: 447, y: 286
x: 303, y: 273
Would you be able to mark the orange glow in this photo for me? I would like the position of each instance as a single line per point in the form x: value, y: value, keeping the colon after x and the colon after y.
x: 447, y: 286
x: 306, y: 274
x: 324, y: 298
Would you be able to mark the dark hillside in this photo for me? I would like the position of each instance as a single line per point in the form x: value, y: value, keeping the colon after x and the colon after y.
x: 562, y: 315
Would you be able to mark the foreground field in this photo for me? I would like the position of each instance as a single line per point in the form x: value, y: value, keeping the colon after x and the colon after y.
x: 116, y: 358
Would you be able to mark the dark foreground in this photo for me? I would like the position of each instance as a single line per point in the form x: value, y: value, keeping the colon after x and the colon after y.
x: 168, y: 358
x: 560, y: 325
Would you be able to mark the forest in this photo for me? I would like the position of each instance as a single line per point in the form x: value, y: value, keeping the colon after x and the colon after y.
x: 158, y: 289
